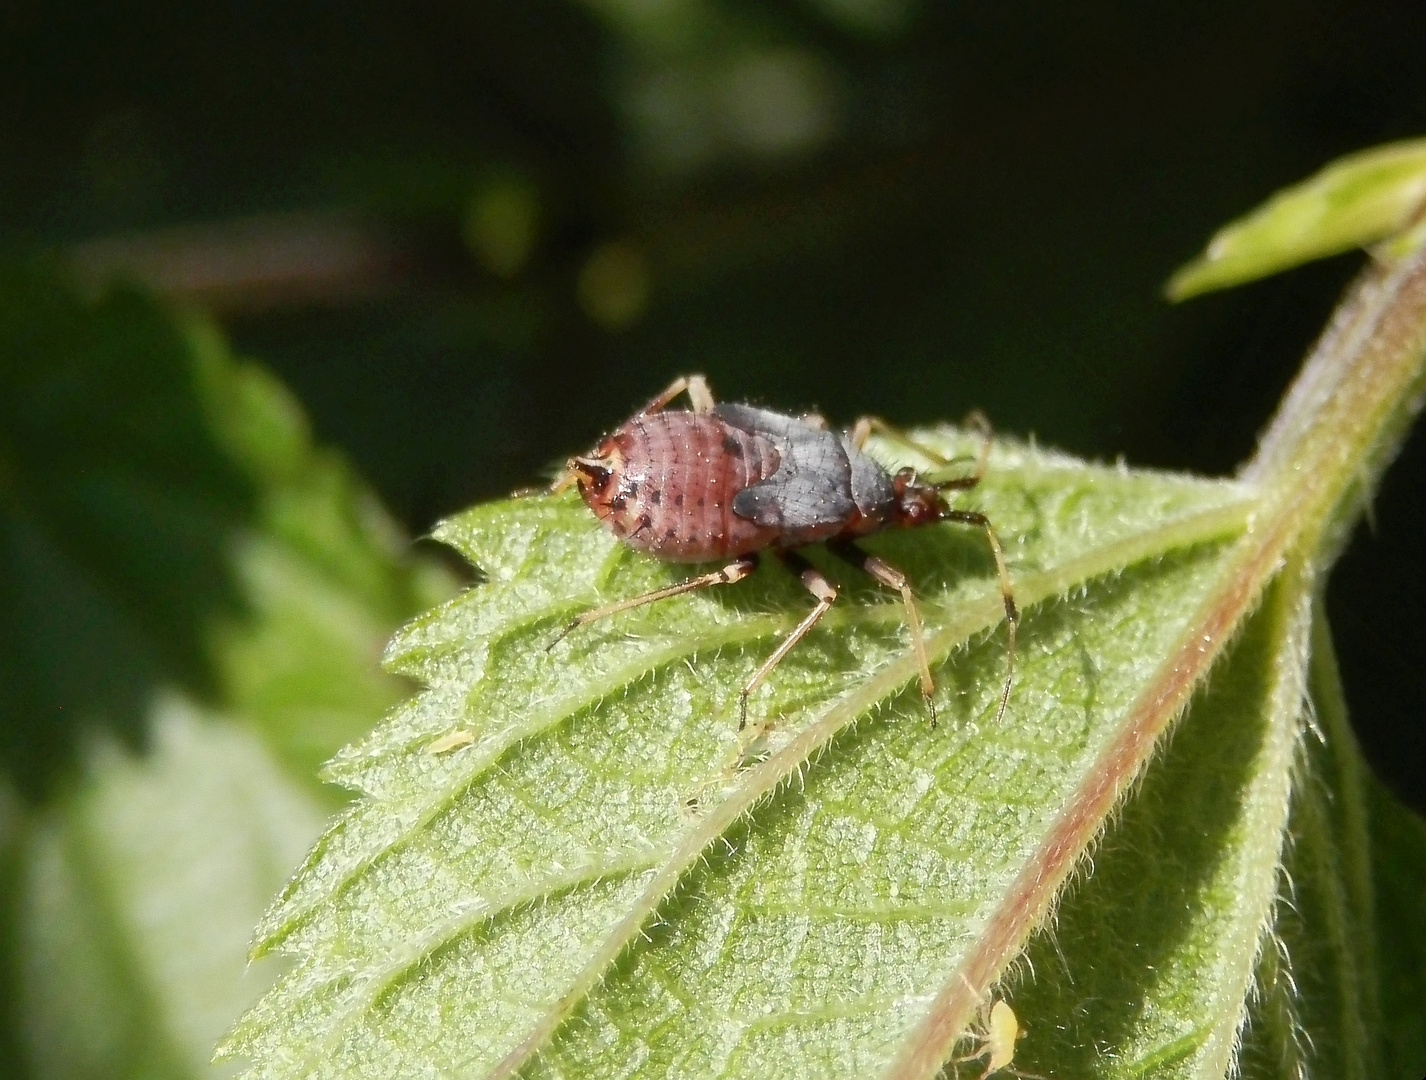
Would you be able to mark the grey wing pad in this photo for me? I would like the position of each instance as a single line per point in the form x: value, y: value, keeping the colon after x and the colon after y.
x: 812, y: 488
x: 794, y: 504
x: 757, y: 421
x: 871, y: 486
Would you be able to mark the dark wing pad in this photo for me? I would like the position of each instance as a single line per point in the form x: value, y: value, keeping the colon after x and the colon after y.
x: 871, y: 486
x: 811, y: 492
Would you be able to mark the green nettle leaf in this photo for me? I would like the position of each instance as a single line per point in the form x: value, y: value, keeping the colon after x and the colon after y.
x: 565, y: 861
x: 613, y: 761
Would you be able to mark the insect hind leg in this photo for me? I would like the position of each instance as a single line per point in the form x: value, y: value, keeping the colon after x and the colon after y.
x: 696, y: 386
x: 734, y: 571
x: 815, y: 582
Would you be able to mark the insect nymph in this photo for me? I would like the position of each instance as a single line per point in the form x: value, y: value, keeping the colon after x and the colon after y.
x: 728, y: 482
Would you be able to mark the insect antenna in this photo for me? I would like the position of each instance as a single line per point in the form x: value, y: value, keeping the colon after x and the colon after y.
x: 1007, y: 594
x: 979, y: 423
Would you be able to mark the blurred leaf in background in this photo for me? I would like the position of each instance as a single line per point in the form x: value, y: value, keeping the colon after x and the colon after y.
x: 171, y: 536
x: 166, y: 520
x: 137, y: 895
x: 118, y: 511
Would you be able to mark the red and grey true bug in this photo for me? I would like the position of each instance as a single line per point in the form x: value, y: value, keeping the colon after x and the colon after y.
x: 729, y: 481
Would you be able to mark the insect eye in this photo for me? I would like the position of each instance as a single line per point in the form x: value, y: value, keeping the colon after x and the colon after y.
x: 593, y: 472
x: 903, y: 479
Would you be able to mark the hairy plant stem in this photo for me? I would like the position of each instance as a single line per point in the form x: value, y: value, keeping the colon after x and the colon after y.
x: 1339, y: 425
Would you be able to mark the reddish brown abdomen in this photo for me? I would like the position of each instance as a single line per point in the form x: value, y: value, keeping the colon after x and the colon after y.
x: 674, y: 475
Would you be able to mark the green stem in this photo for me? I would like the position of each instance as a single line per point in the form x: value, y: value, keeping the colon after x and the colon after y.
x: 1347, y: 413
x: 1341, y: 422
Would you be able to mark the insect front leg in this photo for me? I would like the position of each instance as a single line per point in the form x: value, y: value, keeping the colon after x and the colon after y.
x: 893, y: 578
x: 975, y: 421
x: 566, y: 480
x: 867, y: 425
x: 826, y: 593
x: 734, y: 571
x: 978, y: 422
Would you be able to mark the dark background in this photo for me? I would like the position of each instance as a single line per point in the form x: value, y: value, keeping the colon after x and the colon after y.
x: 883, y: 206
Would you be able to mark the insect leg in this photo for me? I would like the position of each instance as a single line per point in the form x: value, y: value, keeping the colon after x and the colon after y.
x: 734, y: 571
x: 976, y: 421
x: 825, y: 592
x: 979, y: 423
x: 893, y: 578
x: 863, y: 428
x: 566, y: 479
x: 1007, y: 592
x: 698, y: 394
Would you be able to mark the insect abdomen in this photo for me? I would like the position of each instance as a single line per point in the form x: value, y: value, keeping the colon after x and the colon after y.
x: 673, y: 478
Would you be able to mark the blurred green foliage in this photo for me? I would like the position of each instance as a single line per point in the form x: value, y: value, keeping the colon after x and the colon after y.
x: 118, y: 505
x: 166, y: 521
x: 135, y: 900
x: 171, y: 535
x: 1401, y: 837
